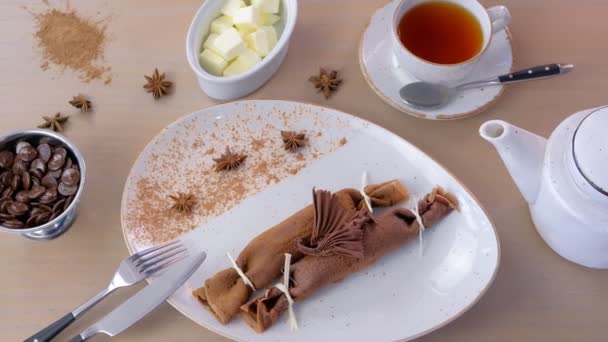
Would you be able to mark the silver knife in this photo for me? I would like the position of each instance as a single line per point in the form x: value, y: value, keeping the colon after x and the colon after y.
x: 144, y: 301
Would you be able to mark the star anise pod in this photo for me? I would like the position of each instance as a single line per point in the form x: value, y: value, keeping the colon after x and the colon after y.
x: 81, y: 102
x: 157, y: 85
x: 183, y: 202
x: 229, y: 160
x: 54, y: 123
x: 326, y: 82
x: 292, y: 140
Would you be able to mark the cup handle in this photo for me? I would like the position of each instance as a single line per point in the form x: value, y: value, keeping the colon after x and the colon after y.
x: 500, y: 18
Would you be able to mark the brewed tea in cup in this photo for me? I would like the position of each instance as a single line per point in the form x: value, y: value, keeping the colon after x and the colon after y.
x: 439, y: 41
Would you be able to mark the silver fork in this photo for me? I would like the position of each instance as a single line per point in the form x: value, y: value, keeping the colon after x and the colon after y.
x: 131, y: 271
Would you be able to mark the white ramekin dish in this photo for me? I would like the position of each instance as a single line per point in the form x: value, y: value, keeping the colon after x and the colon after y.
x: 228, y: 88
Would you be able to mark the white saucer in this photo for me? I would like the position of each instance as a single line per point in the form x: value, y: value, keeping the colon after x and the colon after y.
x: 386, y: 77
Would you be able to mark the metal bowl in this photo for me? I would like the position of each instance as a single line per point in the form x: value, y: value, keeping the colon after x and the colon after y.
x: 61, y: 223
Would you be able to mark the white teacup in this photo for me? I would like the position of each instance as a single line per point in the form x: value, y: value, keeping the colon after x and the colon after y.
x: 492, y: 20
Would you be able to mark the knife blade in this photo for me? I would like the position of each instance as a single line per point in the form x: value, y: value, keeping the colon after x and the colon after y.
x: 144, y: 301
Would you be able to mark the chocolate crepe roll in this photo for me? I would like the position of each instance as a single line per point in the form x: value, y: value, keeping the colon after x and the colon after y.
x: 384, y: 194
x: 325, y: 264
x: 262, y: 258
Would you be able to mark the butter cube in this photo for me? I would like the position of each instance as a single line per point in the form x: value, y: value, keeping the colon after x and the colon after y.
x: 212, y: 62
x: 267, y: 6
x: 249, y: 57
x: 221, y: 24
x: 271, y: 35
x: 245, y: 29
x: 245, y: 61
x: 232, y: 6
x: 229, y: 44
x: 209, y: 43
x: 261, y: 41
x: 247, y: 15
x: 268, y: 18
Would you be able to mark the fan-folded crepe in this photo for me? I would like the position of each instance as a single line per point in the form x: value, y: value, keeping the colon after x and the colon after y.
x: 262, y: 259
x: 324, y: 263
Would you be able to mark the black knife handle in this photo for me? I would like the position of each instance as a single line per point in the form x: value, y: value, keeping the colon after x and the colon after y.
x: 48, y: 333
x: 540, y: 71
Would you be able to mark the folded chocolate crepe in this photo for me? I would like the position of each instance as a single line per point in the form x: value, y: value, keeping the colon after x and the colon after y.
x: 262, y: 259
x: 343, y: 243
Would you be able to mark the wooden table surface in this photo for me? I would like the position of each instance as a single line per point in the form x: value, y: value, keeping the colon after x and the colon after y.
x: 537, y: 296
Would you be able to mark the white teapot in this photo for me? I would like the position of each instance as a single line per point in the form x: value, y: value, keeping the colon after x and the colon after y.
x: 564, y: 180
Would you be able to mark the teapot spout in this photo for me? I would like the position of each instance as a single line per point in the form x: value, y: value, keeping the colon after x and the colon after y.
x: 521, y: 151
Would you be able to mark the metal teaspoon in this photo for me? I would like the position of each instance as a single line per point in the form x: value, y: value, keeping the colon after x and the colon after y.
x: 424, y: 94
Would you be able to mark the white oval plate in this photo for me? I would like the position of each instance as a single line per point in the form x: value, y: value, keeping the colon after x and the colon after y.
x: 385, y: 76
x: 402, y: 296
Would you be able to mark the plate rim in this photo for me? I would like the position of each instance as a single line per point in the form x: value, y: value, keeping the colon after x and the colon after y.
x: 412, y: 111
x: 466, y: 308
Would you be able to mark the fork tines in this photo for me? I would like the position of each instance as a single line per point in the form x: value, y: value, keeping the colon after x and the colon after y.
x: 158, y: 257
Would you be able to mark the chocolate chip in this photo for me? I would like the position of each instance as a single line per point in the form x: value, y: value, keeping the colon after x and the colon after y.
x: 19, y: 167
x: 44, y: 152
x: 36, y: 192
x: 45, y: 208
x: 61, y: 151
x: 14, y: 223
x: 70, y: 177
x: 35, y: 179
x: 48, y: 196
x: 37, y: 211
x: 8, y: 192
x: 36, y: 174
x: 44, y: 218
x: 68, y: 201
x: 6, y: 178
x: 57, y: 161
x: 4, y: 205
x: 54, y: 215
x: 21, y: 145
x: 68, y: 163
x: 6, y: 159
x: 28, y: 153
x: 38, y: 164
x: 23, y: 196
x: 31, y: 221
x: 26, y: 181
x: 56, y: 173
x: 59, y: 205
x: 18, y: 208
x: 67, y: 190
x: 4, y: 216
x: 15, y: 182
x: 49, y: 181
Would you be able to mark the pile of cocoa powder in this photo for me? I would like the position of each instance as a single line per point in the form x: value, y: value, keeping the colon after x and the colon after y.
x: 69, y: 41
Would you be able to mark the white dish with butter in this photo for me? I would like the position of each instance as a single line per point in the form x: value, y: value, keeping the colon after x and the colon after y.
x: 235, y: 46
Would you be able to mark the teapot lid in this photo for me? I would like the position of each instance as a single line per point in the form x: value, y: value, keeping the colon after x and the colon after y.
x: 590, y: 149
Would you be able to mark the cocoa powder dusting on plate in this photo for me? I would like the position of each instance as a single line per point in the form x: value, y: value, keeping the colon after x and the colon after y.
x: 182, y: 161
x: 257, y: 144
x: 69, y: 41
